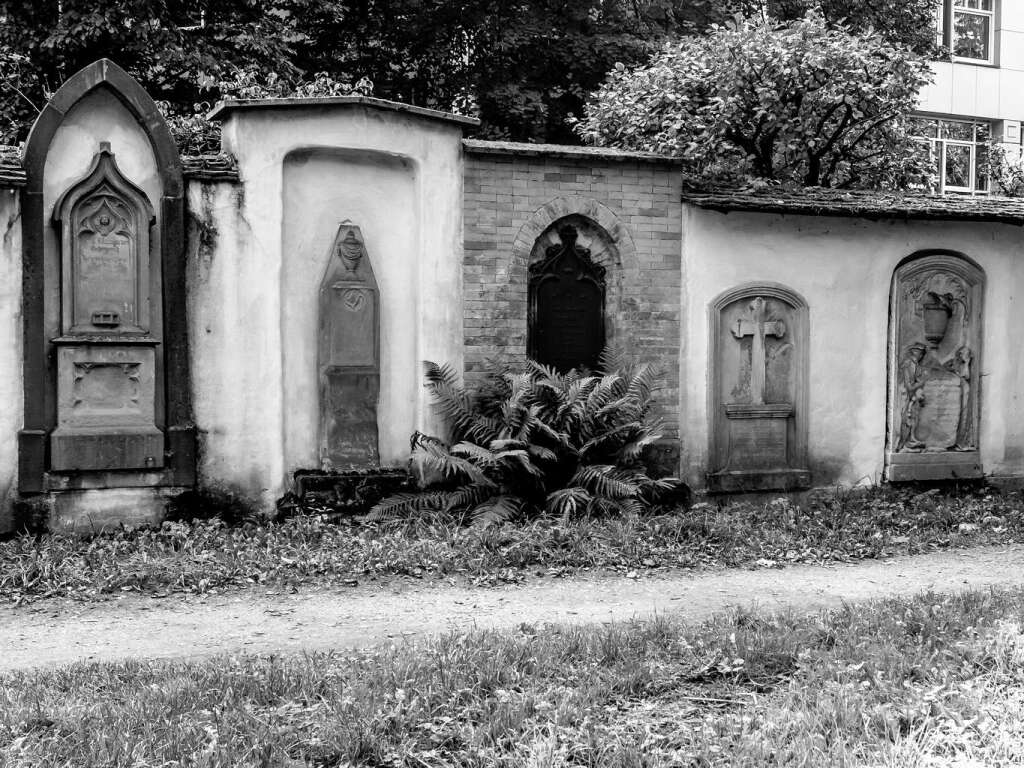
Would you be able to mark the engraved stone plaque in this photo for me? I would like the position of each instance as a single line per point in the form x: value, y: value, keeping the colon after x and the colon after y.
x: 349, y: 355
x: 759, y: 369
x: 566, y: 295
x: 934, y: 369
x: 105, y: 222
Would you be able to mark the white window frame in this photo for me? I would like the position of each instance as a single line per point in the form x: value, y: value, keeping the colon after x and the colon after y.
x: 937, y: 147
x: 951, y: 12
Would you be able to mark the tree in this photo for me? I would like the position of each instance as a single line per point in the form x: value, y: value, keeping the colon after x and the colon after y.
x: 178, y: 51
x: 797, y: 102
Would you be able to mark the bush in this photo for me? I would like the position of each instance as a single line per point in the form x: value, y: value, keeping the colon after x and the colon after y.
x: 537, y: 442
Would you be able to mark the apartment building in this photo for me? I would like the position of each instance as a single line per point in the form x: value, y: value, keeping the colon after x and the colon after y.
x: 978, y: 92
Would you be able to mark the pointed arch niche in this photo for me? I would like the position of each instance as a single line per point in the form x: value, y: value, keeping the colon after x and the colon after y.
x: 107, y: 400
x: 758, y: 394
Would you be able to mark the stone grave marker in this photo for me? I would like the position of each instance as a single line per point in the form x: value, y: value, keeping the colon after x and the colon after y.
x: 759, y: 342
x: 349, y: 355
x: 934, y: 369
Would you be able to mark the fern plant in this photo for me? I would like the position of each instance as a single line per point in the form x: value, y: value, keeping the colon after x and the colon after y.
x: 536, y: 441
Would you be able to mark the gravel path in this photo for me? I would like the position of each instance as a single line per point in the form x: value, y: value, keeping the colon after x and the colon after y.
x: 51, y: 633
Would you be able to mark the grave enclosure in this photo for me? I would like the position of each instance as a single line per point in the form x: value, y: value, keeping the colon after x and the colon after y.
x: 225, y: 322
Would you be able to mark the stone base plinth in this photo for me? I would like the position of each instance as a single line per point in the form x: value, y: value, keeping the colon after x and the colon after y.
x: 753, y: 480
x: 944, y: 465
x: 95, y: 511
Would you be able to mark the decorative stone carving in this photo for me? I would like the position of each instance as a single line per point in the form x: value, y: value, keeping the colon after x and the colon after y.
x: 566, y: 306
x: 349, y: 355
x: 935, y: 335
x: 105, y: 222
x: 106, y: 359
x: 759, y: 344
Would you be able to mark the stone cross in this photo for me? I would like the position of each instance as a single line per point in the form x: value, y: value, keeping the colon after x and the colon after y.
x: 758, y: 325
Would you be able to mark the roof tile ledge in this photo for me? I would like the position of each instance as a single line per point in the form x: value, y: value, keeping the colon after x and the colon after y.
x: 816, y: 201
x: 563, y: 151
x: 12, y: 174
x: 219, y: 167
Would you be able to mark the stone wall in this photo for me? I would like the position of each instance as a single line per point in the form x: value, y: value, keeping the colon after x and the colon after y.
x: 11, y: 402
x: 843, y: 268
x: 514, y: 197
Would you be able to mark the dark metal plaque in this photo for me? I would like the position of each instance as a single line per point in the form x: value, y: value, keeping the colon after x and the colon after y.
x: 567, y: 292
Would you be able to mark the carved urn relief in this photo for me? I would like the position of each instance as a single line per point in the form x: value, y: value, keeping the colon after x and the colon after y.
x: 758, y: 409
x: 934, y: 369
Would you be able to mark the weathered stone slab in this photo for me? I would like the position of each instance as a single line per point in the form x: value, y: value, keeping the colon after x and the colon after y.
x: 759, y: 347
x: 106, y: 361
x: 934, y: 368
x: 349, y: 355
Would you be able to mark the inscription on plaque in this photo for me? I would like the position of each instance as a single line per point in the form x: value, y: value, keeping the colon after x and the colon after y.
x: 756, y: 433
x: 566, y: 294
x: 934, y: 374
x: 349, y: 355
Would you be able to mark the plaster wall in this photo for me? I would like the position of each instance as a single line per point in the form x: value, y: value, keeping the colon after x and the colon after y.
x: 253, y: 296
x: 323, y: 188
x: 11, y: 394
x: 843, y: 268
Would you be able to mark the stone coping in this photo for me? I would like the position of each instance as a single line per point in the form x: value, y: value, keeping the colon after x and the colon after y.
x: 563, y: 151
x: 220, y: 167
x: 223, y: 108
x: 862, y: 204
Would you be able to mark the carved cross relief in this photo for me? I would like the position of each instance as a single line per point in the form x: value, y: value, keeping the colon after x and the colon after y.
x: 758, y: 324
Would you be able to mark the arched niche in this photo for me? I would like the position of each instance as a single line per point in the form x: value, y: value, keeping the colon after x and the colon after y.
x: 758, y: 393
x: 935, y: 326
x: 114, y: 410
x: 567, y: 294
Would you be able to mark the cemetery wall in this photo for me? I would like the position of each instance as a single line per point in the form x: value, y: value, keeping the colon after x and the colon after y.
x: 10, y: 349
x: 258, y: 254
x: 515, y: 195
x: 843, y: 268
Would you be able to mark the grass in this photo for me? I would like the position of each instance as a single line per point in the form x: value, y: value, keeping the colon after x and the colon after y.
x: 209, y: 556
x: 924, y: 681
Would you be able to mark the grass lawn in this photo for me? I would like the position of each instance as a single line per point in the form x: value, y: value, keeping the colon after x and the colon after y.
x: 208, y: 556
x: 923, y: 681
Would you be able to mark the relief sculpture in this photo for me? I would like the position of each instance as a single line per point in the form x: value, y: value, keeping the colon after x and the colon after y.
x: 936, y: 317
x: 760, y: 368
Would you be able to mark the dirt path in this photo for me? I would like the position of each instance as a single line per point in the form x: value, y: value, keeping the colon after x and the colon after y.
x: 51, y: 634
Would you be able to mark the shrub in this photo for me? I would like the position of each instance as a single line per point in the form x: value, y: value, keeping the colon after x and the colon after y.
x: 537, y: 442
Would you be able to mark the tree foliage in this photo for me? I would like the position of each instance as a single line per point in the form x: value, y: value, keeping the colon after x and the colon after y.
x: 800, y: 101
x: 523, y: 66
x: 536, y: 441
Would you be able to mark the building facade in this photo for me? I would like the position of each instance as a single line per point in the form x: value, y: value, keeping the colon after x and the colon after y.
x: 977, y: 96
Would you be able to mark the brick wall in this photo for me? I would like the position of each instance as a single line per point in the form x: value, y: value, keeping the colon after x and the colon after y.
x: 515, y: 193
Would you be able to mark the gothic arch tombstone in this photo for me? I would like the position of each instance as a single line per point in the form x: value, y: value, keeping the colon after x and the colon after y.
x: 758, y: 393
x: 935, y: 317
x: 104, y: 293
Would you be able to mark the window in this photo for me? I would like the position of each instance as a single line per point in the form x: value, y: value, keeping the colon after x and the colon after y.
x: 971, y: 30
x: 959, y: 151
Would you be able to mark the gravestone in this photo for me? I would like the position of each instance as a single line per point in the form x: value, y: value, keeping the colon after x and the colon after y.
x: 349, y: 355
x: 759, y: 343
x: 106, y: 357
x: 934, y: 369
x: 566, y: 306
